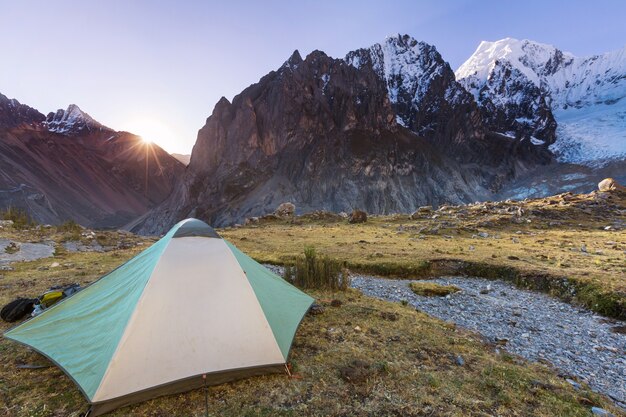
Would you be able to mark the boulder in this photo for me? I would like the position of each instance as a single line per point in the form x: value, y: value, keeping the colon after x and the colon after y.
x: 6, y: 223
x: 609, y: 185
x: 285, y: 210
x: 358, y: 216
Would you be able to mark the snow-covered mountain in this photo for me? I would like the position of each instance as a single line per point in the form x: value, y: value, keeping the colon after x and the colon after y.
x: 72, y: 121
x: 420, y: 86
x: 523, y: 85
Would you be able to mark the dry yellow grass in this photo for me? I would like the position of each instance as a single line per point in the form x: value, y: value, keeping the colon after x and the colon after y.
x: 555, y: 238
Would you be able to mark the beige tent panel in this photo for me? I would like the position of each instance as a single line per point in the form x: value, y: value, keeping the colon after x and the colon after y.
x: 196, y: 295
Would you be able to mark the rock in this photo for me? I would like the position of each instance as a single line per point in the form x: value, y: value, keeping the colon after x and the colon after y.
x: 513, y: 258
x: 6, y: 268
x: 583, y: 248
x: 597, y: 411
x: 484, y: 235
x: 12, y: 247
x: 610, y: 185
x: 285, y: 210
x: 316, y: 309
x: 357, y: 371
x: 335, y: 303
x: 250, y: 220
x: 55, y: 265
x: 357, y: 328
x: 573, y: 383
x: 343, y: 214
x: 6, y: 223
x: 459, y: 360
x: 389, y: 316
x: 358, y: 216
x: 619, y: 329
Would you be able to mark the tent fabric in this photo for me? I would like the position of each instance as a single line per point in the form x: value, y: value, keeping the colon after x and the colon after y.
x: 195, y: 227
x: 190, y: 305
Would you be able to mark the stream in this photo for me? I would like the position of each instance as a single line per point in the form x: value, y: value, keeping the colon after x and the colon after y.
x: 579, y: 343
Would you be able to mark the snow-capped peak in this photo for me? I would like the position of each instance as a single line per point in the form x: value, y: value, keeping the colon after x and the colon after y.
x: 530, y: 58
x: 411, y: 70
x: 72, y: 120
x: 587, y: 95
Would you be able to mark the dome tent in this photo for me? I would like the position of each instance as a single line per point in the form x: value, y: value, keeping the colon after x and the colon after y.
x: 190, y: 305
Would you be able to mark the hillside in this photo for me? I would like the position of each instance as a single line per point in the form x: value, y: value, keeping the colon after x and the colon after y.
x: 68, y: 166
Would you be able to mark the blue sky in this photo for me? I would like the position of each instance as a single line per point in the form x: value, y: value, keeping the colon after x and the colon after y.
x: 158, y: 67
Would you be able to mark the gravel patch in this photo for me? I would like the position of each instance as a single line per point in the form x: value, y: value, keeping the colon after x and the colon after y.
x: 530, y: 324
x: 26, y: 252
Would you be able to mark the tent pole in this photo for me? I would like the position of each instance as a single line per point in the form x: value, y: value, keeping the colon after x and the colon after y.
x: 287, y: 369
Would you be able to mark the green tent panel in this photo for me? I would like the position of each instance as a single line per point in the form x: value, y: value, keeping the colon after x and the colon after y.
x: 190, y: 305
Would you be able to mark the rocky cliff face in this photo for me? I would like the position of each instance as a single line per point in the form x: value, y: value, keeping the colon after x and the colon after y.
x: 386, y: 129
x: 69, y: 166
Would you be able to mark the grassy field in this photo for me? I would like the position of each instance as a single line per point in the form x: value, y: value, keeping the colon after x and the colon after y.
x: 557, y: 245
x: 364, y: 357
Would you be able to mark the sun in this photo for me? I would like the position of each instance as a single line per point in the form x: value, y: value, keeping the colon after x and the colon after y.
x: 151, y: 131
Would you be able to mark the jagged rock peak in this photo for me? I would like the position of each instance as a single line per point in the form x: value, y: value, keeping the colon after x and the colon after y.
x: 73, y: 120
x: 294, y: 60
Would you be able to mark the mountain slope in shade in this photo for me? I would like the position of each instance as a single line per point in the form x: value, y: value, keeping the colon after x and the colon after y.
x: 522, y: 82
x: 71, y: 167
x: 330, y: 134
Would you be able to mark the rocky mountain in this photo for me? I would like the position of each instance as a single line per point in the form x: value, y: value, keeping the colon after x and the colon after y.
x: 68, y: 166
x: 387, y: 129
x: 574, y: 105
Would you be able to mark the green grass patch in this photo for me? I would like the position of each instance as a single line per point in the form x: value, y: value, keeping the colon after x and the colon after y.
x: 432, y: 289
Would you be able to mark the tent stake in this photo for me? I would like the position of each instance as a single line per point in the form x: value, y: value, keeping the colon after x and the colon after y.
x: 206, y: 397
x: 287, y: 369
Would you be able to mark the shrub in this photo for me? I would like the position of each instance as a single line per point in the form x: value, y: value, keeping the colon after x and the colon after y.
x: 20, y: 218
x: 70, y: 226
x: 315, y: 271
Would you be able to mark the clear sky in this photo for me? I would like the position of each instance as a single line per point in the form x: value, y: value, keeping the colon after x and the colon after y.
x: 157, y: 68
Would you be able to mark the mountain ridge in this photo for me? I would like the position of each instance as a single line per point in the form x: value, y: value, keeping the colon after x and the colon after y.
x: 69, y: 166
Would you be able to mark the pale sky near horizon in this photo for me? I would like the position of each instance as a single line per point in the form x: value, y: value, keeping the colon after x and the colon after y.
x: 157, y: 68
